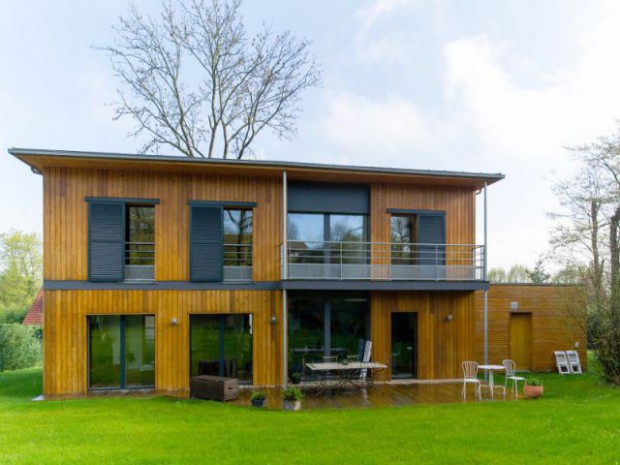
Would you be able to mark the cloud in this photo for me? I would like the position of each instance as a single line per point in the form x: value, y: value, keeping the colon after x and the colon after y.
x: 371, y: 13
x: 361, y: 125
x: 571, y: 105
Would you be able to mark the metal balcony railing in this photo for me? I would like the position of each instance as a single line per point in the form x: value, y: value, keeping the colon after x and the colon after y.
x: 237, y: 262
x: 139, y: 261
x: 382, y: 261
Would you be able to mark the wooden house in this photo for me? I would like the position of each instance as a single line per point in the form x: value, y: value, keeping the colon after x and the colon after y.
x: 158, y: 268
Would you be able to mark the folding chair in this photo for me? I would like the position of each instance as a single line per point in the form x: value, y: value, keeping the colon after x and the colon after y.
x: 561, y: 360
x: 574, y: 364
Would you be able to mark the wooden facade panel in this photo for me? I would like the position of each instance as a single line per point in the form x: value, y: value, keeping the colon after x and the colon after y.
x: 457, y: 202
x: 65, y: 332
x: 445, y: 329
x: 66, y: 217
x: 554, y: 322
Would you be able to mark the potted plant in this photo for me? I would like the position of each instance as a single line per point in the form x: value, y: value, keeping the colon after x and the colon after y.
x: 259, y: 399
x: 533, y: 388
x: 295, y: 378
x: 292, y: 397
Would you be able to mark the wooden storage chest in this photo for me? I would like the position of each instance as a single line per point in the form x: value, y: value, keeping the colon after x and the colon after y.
x: 214, y: 388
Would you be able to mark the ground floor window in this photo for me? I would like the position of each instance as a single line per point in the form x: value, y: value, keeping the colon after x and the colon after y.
x: 333, y: 326
x: 121, y: 351
x: 221, y: 345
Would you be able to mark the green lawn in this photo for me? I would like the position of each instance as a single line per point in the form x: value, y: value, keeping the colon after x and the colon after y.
x: 577, y: 421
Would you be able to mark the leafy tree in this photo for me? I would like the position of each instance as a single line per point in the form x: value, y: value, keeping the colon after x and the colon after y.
x: 20, y: 268
x: 496, y: 275
x: 518, y: 274
x: 538, y: 274
x: 590, y: 224
x: 195, y: 81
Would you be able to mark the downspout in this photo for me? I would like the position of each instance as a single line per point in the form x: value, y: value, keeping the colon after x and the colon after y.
x: 283, y: 278
x: 486, y: 291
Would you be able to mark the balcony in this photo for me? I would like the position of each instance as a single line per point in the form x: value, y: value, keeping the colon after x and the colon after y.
x: 139, y: 261
x: 382, y: 261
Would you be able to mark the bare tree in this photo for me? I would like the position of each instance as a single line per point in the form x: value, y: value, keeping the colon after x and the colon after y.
x: 193, y: 80
x: 591, y: 204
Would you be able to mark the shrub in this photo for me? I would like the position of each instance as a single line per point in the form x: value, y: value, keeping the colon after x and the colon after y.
x: 534, y: 382
x: 19, y: 346
x: 258, y: 395
x: 292, y: 394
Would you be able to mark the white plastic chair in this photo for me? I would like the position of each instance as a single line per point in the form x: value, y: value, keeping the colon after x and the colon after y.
x: 511, y: 368
x: 574, y: 364
x: 470, y: 376
x: 561, y: 360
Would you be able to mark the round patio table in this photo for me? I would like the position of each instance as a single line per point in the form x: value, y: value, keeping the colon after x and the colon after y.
x: 491, y: 370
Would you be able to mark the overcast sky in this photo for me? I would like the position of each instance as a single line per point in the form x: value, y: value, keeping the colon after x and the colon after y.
x: 457, y: 85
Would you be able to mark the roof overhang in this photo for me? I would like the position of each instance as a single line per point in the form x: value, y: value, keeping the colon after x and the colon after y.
x: 40, y: 159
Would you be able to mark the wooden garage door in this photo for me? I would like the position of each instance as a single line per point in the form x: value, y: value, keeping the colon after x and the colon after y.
x: 521, y: 340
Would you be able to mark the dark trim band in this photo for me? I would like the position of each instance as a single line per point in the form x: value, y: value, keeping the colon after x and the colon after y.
x: 404, y: 211
x: 206, y: 203
x: 160, y: 286
x: 122, y: 200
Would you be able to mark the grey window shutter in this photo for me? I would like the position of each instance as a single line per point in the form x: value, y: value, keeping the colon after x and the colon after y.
x: 206, y: 251
x: 106, y: 241
x: 432, y: 230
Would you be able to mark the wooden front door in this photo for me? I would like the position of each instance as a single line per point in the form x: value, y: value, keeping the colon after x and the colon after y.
x: 521, y: 340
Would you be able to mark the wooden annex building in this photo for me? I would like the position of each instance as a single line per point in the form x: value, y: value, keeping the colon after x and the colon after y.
x: 159, y: 268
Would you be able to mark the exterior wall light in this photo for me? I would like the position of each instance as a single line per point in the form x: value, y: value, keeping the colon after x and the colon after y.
x: 273, y: 320
x: 174, y: 321
x: 450, y: 317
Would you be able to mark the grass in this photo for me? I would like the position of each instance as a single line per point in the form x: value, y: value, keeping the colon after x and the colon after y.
x: 577, y: 421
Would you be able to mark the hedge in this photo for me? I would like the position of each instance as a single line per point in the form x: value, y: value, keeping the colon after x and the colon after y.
x: 20, y: 346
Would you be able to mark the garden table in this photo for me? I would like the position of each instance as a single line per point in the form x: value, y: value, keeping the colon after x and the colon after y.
x: 346, y: 373
x: 491, y: 369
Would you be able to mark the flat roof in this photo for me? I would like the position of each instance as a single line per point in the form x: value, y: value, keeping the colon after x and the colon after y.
x: 39, y: 159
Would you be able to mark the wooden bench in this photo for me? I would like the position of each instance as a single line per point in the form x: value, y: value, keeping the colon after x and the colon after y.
x: 214, y: 388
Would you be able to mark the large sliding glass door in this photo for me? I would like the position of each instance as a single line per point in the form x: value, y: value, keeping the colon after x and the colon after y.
x: 121, y: 351
x: 221, y: 345
x: 326, y: 326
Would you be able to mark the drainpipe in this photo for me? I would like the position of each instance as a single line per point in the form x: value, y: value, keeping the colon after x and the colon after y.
x: 283, y: 278
x: 486, y: 292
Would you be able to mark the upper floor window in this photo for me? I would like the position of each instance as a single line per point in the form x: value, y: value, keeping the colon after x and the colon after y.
x: 418, y: 238
x: 220, y: 241
x: 140, y: 242
x: 237, y: 244
x: 121, y: 239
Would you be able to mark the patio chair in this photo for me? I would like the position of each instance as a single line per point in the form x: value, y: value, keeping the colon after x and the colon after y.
x: 470, y: 376
x: 561, y: 360
x: 574, y: 364
x: 511, y: 368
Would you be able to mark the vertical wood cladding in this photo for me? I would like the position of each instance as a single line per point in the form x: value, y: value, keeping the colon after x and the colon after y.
x: 66, y: 216
x: 457, y: 202
x: 65, y: 332
x: 555, y: 324
x: 445, y: 329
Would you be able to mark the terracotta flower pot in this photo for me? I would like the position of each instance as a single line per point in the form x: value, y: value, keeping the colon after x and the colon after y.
x: 532, y: 392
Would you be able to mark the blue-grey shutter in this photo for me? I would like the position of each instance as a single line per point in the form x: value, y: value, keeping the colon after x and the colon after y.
x: 206, y: 251
x: 432, y: 230
x: 106, y: 241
